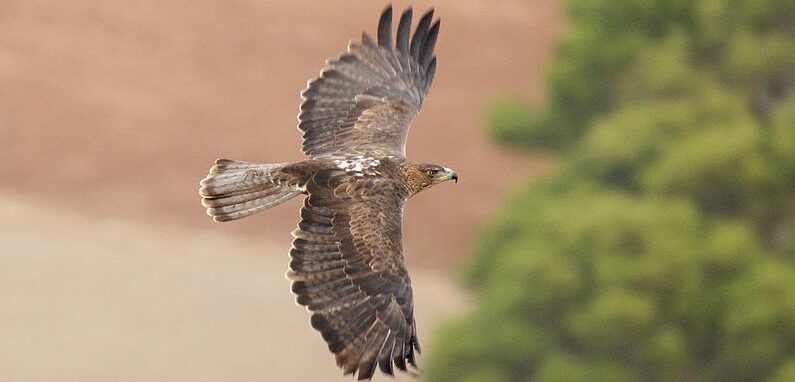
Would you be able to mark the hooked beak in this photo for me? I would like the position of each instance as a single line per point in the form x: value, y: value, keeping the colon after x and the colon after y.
x: 451, y: 174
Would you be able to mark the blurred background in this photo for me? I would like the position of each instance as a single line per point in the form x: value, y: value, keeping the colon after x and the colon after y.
x: 661, y: 248
x: 112, y: 111
x: 625, y: 210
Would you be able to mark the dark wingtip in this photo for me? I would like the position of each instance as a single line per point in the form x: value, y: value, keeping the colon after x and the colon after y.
x: 411, y: 358
x: 385, y: 364
x: 385, y: 28
x: 366, y: 370
x: 431, y: 71
x: 400, y: 363
x: 399, y: 358
x: 420, y: 33
x: 404, y: 31
x: 426, y: 53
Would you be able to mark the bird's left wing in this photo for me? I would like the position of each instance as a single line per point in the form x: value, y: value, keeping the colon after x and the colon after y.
x: 365, y: 99
x: 347, y: 268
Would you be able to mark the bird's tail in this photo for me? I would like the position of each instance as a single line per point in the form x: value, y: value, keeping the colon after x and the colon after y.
x: 234, y: 189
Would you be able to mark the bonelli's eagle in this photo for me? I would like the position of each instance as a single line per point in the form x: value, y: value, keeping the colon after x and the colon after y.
x: 346, y: 261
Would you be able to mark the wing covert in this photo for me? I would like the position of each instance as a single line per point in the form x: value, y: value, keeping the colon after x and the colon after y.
x: 374, y: 81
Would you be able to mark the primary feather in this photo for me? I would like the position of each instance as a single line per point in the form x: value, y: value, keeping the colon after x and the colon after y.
x: 366, y: 98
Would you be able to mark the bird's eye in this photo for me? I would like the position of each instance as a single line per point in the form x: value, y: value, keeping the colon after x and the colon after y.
x: 430, y: 172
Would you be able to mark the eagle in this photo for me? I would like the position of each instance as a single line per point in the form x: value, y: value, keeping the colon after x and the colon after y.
x: 347, y: 265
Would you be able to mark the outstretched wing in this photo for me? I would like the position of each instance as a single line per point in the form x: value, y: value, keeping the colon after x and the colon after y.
x: 366, y: 98
x: 347, y: 268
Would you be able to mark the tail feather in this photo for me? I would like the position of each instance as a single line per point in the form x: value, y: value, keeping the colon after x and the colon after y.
x: 235, y: 189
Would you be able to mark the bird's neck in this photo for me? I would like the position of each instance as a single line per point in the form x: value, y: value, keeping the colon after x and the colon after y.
x: 416, y: 179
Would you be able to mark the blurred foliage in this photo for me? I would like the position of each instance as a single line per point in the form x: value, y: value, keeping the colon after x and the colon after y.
x: 513, y: 123
x: 664, y: 249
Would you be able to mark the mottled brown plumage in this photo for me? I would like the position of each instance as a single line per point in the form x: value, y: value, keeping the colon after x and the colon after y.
x: 346, y: 261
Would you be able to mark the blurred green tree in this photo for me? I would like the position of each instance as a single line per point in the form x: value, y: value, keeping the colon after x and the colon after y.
x: 664, y: 249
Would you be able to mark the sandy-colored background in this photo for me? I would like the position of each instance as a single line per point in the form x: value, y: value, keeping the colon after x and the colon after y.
x: 110, y: 113
x: 110, y: 300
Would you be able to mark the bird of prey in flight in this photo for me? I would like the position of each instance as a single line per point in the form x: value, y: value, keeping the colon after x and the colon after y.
x: 346, y: 262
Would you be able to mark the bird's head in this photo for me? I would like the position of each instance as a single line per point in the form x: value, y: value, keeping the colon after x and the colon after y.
x: 426, y: 175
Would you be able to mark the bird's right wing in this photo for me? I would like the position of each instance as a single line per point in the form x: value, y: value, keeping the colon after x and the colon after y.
x: 365, y: 99
x: 347, y: 268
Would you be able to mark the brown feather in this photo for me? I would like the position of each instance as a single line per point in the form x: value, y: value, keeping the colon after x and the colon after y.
x: 365, y: 312
x: 396, y: 77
